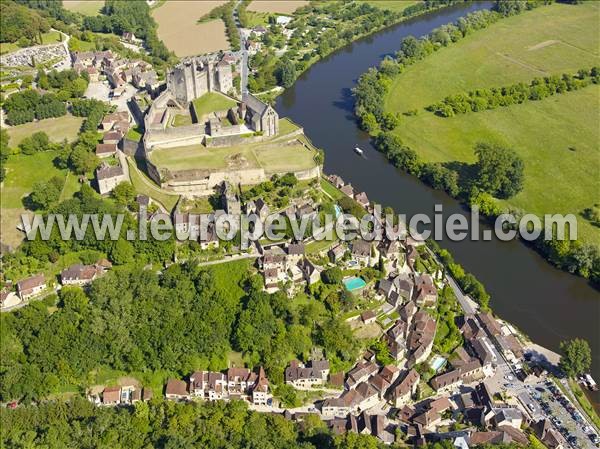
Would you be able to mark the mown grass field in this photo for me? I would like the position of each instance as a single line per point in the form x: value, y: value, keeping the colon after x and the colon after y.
x: 212, y: 102
x: 275, y: 155
x: 393, y: 5
x: 58, y: 129
x: 276, y: 6
x: 85, y: 7
x: 272, y: 157
x: 179, y: 29
x: 557, y: 137
x: 22, y: 172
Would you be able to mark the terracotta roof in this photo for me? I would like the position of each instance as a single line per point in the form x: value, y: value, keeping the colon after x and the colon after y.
x: 34, y: 281
x: 176, y: 387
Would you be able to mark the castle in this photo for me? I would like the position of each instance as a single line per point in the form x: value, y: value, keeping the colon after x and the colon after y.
x: 194, y: 77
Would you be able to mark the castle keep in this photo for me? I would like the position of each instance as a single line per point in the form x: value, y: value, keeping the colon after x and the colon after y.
x: 194, y: 77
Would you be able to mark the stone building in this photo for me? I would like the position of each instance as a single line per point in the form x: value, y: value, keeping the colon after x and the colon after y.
x: 108, y: 177
x: 194, y: 77
x: 260, y: 116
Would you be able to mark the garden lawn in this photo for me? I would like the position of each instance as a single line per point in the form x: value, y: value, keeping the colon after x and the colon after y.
x: 212, y: 102
x: 58, y: 129
x: 51, y: 37
x: 557, y: 137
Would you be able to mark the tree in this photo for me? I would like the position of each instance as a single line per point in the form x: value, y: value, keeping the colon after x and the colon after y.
x: 124, y: 193
x: 576, y: 357
x: 286, y: 74
x: 332, y: 275
x: 122, y: 252
x: 82, y: 160
x: 38, y: 141
x: 45, y: 194
x: 499, y: 170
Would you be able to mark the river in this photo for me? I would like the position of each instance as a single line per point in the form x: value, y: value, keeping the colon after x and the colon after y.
x: 547, y: 304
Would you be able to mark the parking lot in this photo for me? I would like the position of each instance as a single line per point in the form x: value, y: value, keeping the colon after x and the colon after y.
x: 564, y: 416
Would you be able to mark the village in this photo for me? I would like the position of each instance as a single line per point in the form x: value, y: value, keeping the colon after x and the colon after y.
x: 486, y: 390
x: 491, y: 386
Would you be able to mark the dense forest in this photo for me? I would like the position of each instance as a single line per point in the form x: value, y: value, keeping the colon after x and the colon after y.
x: 170, y: 425
x: 184, y: 319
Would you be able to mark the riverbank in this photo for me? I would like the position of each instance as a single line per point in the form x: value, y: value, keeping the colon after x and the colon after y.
x: 525, y: 290
x: 439, y: 151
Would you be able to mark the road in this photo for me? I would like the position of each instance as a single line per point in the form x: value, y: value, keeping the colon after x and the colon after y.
x: 243, y: 52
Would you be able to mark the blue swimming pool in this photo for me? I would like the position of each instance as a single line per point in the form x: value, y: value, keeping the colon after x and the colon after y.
x: 354, y: 283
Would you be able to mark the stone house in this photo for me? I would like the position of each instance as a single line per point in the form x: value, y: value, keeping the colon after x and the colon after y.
x: 30, y: 287
x: 447, y: 382
x: 108, y: 177
x: 362, y: 199
x: 79, y: 274
x: 361, y: 251
x: 176, y: 389
x: 401, y: 393
x: 336, y: 253
x: 111, y: 396
x: 106, y: 149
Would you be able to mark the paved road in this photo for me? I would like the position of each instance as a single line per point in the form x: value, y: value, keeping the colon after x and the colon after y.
x: 243, y: 51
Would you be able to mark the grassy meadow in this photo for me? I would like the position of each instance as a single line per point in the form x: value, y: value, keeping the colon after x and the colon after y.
x: 212, y: 102
x: 556, y: 137
x: 273, y: 158
x: 393, y: 5
x: 58, y: 129
x: 85, y: 7
x: 22, y: 172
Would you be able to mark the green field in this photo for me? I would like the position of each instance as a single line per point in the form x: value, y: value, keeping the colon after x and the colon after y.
x: 273, y: 158
x: 85, y: 7
x: 212, y: 102
x: 393, y: 5
x: 557, y: 137
x: 58, y: 129
x: 51, y: 37
x: 21, y: 173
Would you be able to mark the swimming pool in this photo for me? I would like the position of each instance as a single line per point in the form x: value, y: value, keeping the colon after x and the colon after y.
x: 354, y: 283
x: 437, y: 363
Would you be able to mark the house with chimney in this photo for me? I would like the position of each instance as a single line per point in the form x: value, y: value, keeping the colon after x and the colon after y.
x: 360, y: 373
x: 401, y: 393
x: 447, y: 382
x: 108, y: 177
x: 420, y: 339
x: 301, y: 376
x: 80, y: 274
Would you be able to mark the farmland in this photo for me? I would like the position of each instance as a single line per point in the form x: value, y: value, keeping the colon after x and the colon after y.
x: 85, y: 7
x: 179, y: 29
x: 281, y: 7
x: 58, y: 129
x: 556, y: 137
